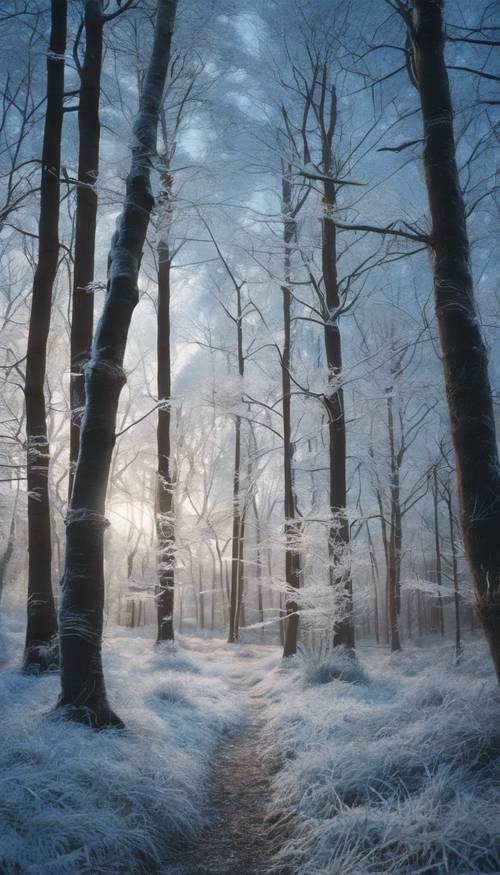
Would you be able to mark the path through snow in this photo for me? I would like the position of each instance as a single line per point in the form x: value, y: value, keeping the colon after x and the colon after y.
x: 238, y: 839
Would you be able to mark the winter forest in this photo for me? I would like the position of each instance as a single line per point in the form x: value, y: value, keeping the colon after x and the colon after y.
x: 249, y: 470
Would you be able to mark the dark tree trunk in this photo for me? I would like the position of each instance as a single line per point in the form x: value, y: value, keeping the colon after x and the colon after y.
x: 385, y: 544
x: 419, y: 614
x: 240, y: 604
x: 89, y: 130
x: 235, y: 594
x: 463, y: 350
x: 375, y: 576
x: 454, y: 573
x: 258, y: 563
x: 223, y: 593
x: 292, y: 555
x: 165, y: 488
x: 180, y: 612
x: 392, y: 611
x: 394, y: 545
x: 437, y: 545
x: 132, y: 551
x: 9, y: 549
x: 201, y: 598
x: 338, y: 540
x: 212, y: 596
x: 83, y: 690
x: 228, y: 584
x: 40, y: 652
x: 409, y: 620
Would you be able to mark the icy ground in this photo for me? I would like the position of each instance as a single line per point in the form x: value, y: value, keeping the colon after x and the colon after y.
x: 235, y: 763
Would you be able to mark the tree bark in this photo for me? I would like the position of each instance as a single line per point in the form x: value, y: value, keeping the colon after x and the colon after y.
x: 456, y: 586
x: 437, y: 545
x: 375, y: 577
x: 240, y: 604
x: 338, y: 541
x: 165, y: 487
x: 463, y: 350
x: 83, y: 693
x: 212, y: 596
x: 394, y: 545
x: 258, y: 562
x: 89, y: 131
x: 9, y: 549
x: 292, y: 555
x: 235, y: 594
x: 40, y: 651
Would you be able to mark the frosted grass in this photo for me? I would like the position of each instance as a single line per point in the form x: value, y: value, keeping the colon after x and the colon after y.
x: 72, y: 801
x: 393, y: 767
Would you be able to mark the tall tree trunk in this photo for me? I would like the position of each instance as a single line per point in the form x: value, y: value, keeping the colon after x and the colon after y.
x: 83, y: 690
x: 437, y: 545
x: 165, y: 488
x: 419, y: 614
x: 394, y: 546
x: 201, y: 597
x: 454, y: 572
x: 223, y: 593
x: 39, y: 653
x: 338, y: 540
x: 385, y: 544
x: 9, y: 549
x: 375, y: 576
x: 258, y: 562
x: 212, y: 596
x: 240, y: 605
x: 409, y: 620
x: 89, y: 131
x: 392, y: 616
x: 464, y: 354
x: 235, y: 595
x: 292, y: 555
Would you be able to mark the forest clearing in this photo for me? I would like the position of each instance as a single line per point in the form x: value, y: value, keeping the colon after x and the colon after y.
x: 250, y: 474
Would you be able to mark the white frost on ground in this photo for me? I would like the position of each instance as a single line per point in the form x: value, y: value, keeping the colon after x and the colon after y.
x: 391, y: 765
x: 74, y: 802
x: 390, y: 768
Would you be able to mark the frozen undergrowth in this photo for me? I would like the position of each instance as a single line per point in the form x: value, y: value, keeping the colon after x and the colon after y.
x: 390, y: 768
x: 74, y: 802
x: 386, y: 765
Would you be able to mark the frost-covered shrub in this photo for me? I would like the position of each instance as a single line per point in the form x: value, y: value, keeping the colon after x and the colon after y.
x: 338, y: 666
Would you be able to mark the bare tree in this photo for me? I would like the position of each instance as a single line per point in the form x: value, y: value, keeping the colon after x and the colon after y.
x: 165, y: 489
x: 182, y: 79
x: 317, y: 157
x: 464, y: 355
x: 89, y: 133
x: 292, y: 554
x: 83, y: 693
x: 7, y: 554
x: 41, y: 627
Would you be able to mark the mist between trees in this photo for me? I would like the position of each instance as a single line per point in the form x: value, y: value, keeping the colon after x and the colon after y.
x: 281, y: 222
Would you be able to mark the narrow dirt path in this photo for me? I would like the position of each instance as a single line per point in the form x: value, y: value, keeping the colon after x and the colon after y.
x: 237, y: 841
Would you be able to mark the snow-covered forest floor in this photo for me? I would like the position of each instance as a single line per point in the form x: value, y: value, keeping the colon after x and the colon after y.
x: 390, y: 765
